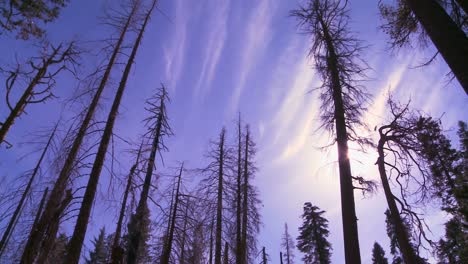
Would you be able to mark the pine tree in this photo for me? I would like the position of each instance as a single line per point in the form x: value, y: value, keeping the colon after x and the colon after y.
x: 57, y: 254
x: 338, y: 61
x: 378, y: 255
x: 99, y: 255
x: 313, y: 233
x: 454, y: 247
x: 287, y: 243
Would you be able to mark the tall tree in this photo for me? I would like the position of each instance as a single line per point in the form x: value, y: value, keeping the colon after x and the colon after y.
x: 59, y: 249
x: 16, y: 214
x: 337, y: 59
x: 158, y: 128
x: 454, y: 247
x: 117, y: 250
x: 240, y: 256
x: 287, y: 243
x: 40, y: 79
x: 448, y: 37
x: 76, y: 241
x: 378, y: 255
x: 29, y: 17
x: 58, y: 196
x: 313, y: 233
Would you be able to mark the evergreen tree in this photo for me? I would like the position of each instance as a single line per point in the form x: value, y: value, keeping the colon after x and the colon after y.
x: 454, y: 247
x: 378, y: 255
x: 287, y: 243
x: 99, y: 255
x: 312, y: 239
x: 58, y: 251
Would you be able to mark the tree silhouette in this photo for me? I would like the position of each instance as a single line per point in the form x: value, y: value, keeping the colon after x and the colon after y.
x: 287, y: 243
x: 337, y: 59
x: 313, y: 233
x: 99, y: 255
x: 378, y: 255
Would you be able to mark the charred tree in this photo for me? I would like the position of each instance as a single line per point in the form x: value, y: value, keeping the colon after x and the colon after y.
x: 337, y: 60
x: 287, y: 244
x: 240, y: 256
x: 57, y: 195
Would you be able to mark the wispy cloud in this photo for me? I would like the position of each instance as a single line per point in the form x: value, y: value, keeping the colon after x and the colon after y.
x: 257, y: 36
x: 214, y: 44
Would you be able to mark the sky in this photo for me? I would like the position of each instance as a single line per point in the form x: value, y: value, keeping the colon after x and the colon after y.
x: 221, y: 57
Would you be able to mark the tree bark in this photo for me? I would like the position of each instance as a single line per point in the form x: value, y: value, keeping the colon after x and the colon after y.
x: 264, y: 256
x: 281, y: 257
x: 348, y: 211
x: 19, y: 207
x: 167, y: 251
x: 184, y: 235
x: 226, y: 253
x: 448, y: 38
x: 30, y: 250
x: 464, y: 5
x: 407, y: 251
x: 219, y: 207
x: 117, y: 251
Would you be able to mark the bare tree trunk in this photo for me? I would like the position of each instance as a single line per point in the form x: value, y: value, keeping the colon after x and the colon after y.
x: 264, y: 257
x: 219, y: 207
x: 76, y: 241
x: 226, y: 253
x: 57, y: 193
x: 184, y: 235
x: 168, y: 247
x: 21, y: 104
x: 449, y: 39
x: 407, y: 251
x: 281, y: 257
x: 19, y: 207
x: 239, y: 255
x: 211, y: 242
x: 348, y: 211
x: 117, y: 251
x: 245, y: 206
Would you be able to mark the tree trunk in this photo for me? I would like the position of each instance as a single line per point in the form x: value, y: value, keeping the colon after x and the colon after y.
x: 239, y: 254
x: 211, y: 242
x: 30, y: 250
x: 448, y: 38
x: 76, y: 241
x: 226, y: 253
x: 464, y: 5
x: 264, y: 256
x: 117, y: 251
x: 407, y: 251
x: 19, y: 207
x: 281, y: 257
x: 245, y: 206
x: 167, y: 251
x: 219, y: 207
x: 348, y: 211
x: 184, y: 235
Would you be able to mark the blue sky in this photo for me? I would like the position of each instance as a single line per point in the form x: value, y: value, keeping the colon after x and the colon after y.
x: 218, y: 57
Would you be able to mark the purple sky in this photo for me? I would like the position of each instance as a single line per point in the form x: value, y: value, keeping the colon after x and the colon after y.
x: 218, y: 57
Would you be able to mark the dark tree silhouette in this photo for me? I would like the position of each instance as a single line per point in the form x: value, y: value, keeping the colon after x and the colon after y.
x: 16, y: 214
x: 448, y: 37
x: 337, y: 59
x: 58, y: 196
x: 100, y: 253
x: 287, y: 243
x: 158, y: 128
x: 313, y: 233
x: 76, y: 241
x: 40, y: 75
x: 378, y: 255
x: 29, y: 17
x: 454, y: 247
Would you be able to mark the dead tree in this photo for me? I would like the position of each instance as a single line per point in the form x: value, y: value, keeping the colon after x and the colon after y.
x: 240, y: 256
x: 337, y: 59
x: 168, y: 245
x: 117, y: 250
x: 76, y: 241
x: 399, y: 139
x: 41, y: 79
x: 288, y: 245
x: 58, y: 192
x: 25, y: 194
x: 158, y: 128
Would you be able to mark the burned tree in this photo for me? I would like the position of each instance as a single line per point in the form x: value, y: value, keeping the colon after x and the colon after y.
x: 26, y: 192
x: 58, y: 196
x: 158, y: 128
x: 76, y: 242
x: 430, y: 18
x: 40, y: 75
x: 287, y: 243
x: 337, y: 59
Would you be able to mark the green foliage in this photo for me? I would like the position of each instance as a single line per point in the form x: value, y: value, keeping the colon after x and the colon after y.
x: 312, y: 239
x: 28, y: 17
x: 378, y: 255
